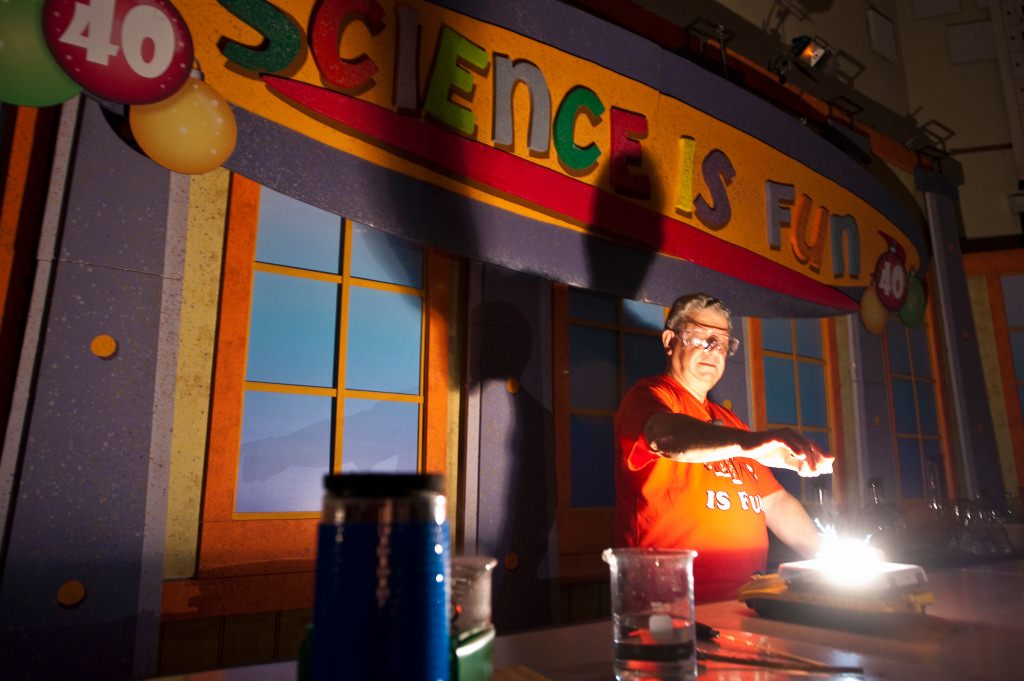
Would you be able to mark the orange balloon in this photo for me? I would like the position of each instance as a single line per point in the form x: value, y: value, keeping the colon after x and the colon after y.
x: 872, y: 313
x: 192, y: 131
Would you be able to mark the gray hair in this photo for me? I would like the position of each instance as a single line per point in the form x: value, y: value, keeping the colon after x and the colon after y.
x: 686, y: 305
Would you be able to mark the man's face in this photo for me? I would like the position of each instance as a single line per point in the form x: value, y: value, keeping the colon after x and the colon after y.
x: 696, y: 368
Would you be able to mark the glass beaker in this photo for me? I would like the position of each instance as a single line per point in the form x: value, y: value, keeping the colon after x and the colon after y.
x: 652, y: 613
x: 472, y: 630
x: 471, y: 594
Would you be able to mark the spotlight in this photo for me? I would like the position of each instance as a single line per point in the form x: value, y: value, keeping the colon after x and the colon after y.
x: 812, y: 52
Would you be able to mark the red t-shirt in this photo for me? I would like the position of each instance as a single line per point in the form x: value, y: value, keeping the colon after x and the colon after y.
x: 715, y: 508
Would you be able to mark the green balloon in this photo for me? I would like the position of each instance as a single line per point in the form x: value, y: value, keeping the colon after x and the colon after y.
x: 29, y: 76
x: 912, y: 312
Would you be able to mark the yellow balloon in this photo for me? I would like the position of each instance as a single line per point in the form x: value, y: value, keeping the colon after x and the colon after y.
x: 192, y: 131
x: 872, y: 313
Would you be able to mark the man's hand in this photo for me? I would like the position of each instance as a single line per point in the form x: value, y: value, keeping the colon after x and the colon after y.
x: 786, y: 448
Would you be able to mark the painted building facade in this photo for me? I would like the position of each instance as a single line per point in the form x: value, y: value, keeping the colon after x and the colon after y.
x: 443, y: 241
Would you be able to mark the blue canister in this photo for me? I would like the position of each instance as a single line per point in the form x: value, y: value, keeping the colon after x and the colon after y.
x: 382, y: 601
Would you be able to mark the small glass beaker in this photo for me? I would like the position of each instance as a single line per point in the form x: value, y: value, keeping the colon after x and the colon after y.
x: 472, y: 630
x: 652, y: 613
x: 471, y: 594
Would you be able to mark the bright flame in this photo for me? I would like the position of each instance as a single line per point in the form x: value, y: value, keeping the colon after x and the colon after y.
x: 845, y: 560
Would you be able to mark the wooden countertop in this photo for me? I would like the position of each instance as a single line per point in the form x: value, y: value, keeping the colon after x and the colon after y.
x: 974, y: 630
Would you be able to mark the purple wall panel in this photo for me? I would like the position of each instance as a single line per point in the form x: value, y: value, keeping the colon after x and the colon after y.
x: 516, y: 489
x: 79, y: 511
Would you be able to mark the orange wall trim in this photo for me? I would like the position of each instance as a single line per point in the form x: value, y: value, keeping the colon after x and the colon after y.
x: 197, y: 598
x: 1001, y: 331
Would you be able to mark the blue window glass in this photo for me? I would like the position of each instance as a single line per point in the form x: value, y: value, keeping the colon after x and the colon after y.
x: 292, y: 331
x: 777, y: 335
x: 919, y: 351
x: 1020, y: 399
x: 286, y: 449
x: 927, y: 417
x: 383, y: 341
x: 1017, y: 346
x: 899, y: 357
x: 592, y: 461
x: 643, y: 315
x: 593, y: 368
x: 594, y: 307
x: 812, y: 395
x: 935, y: 472
x: 808, y: 338
x: 297, y: 234
x: 818, y: 438
x: 1013, y: 293
x: 380, y: 436
x: 379, y: 256
x: 644, y: 356
x: 790, y: 481
x: 780, y: 390
x: 903, y: 404
x: 821, y: 440
x: 910, y: 468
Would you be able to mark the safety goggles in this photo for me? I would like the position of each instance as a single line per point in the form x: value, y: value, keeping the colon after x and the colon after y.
x: 696, y: 335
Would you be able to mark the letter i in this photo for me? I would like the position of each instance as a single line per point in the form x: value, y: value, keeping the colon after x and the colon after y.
x: 684, y: 189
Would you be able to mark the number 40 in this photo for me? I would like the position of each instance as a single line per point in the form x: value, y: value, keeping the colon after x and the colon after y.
x: 92, y: 27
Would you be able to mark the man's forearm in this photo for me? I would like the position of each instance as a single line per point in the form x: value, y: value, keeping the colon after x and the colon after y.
x: 788, y: 520
x: 683, y: 438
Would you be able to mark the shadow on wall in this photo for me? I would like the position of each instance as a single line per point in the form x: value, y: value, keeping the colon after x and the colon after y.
x: 518, y: 490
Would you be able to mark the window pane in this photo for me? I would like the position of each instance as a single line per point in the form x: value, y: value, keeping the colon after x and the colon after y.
x: 380, y: 256
x: 818, y: 438
x: 595, y: 307
x: 643, y: 315
x: 380, y: 436
x: 926, y: 408
x: 919, y: 352
x: 822, y: 482
x: 292, y: 330
x: 899, y: 357
x: 780, y: 392
x: 808, y: 338
x: 812, y: 395
x: 593, y: 368
x: 286, y: 450
x: 790, y: 480
x: 297, y: 234
x: 593, y: 463
x: 644, y: 357
x: 1017, y: 345
x: 903, y: 404
x: 777, y: 334
x: 935, y: 472
x: 910, y: 468
x: 383, y: 341
x: 1013, y: 293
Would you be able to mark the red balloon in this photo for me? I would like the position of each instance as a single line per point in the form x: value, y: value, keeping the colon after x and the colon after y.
x: 123, y: 51
x: 890, y: 280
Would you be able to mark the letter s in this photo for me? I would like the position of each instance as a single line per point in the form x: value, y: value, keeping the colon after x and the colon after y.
x: 282, y: 38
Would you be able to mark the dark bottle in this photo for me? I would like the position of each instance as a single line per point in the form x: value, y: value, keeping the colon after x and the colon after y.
x: 382, y: 601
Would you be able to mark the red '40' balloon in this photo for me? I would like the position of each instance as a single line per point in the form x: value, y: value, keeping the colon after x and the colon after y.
x: 890, y: 281
x: 124, y: 51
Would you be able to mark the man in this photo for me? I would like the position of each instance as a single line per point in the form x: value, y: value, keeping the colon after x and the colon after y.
x: 689, y: 474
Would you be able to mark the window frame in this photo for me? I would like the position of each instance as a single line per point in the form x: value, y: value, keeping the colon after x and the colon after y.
x: 759, y: 406
x: 583, y: 532
x: 941, y: 416
x: 238, y: 544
